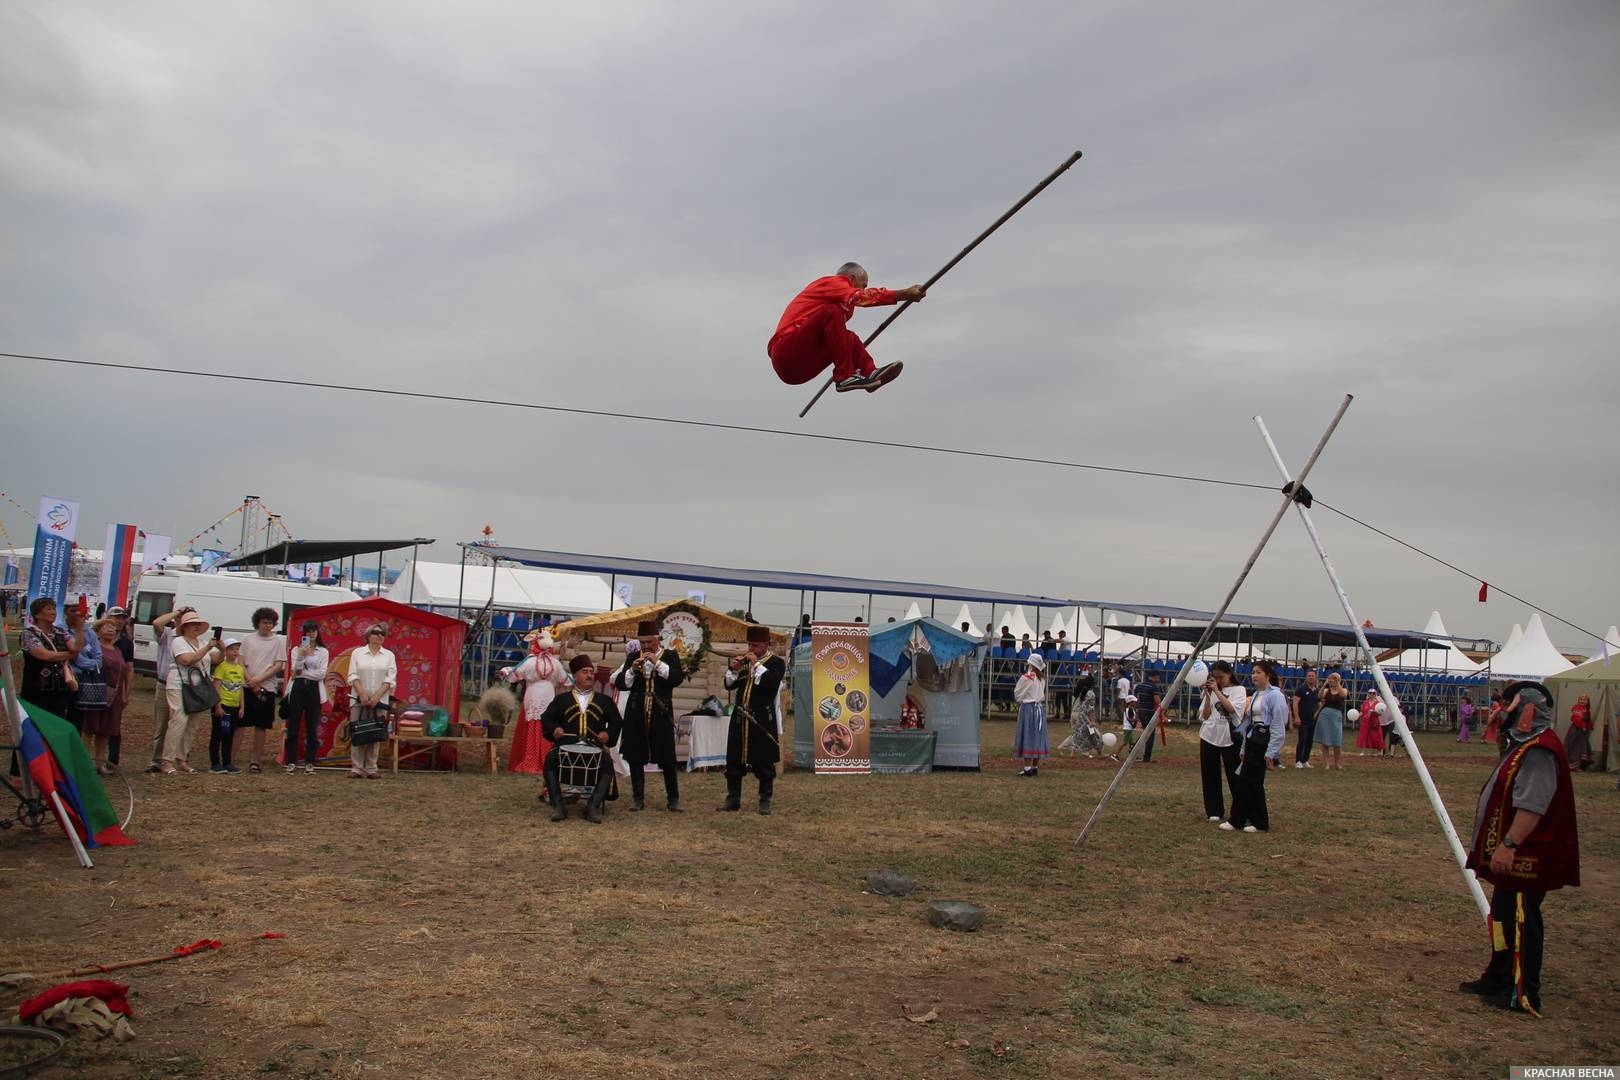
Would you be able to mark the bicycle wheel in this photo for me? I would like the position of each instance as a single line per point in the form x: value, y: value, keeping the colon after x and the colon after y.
x: 126, y: 804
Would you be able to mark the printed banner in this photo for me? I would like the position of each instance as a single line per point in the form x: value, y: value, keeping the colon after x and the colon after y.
x: 841, y: 687
x: 53, y: 550
x: 115, y: 565
x: 155, y: 551
x: 208, y: 560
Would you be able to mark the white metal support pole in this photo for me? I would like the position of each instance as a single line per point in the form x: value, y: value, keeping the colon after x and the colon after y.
x: 1203, y: 639
x: 1383, y: 688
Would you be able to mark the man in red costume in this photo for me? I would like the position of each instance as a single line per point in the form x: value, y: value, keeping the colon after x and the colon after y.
x: 1525, y: 845
x: 813, y: 334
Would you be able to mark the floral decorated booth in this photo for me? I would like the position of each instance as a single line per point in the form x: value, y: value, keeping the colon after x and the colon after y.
x: 426, y: 646
x: 705, y: 640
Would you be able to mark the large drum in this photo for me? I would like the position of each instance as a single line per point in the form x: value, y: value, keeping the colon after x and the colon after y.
x: 578, y: 766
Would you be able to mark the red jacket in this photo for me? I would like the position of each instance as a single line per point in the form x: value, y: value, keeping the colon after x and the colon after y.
x: 1550, y: 856
x: 833, y: 291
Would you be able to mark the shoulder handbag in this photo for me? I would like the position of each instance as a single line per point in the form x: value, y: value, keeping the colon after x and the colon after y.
x: 197, y: 693
x: 92, y: 695
x: 367, y: 724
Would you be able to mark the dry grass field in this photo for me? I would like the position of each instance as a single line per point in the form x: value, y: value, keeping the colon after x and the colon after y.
x: 438, y: 925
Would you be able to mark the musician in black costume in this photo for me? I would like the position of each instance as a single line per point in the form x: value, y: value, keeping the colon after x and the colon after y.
x: 651, y: 677
x: 753, y: 738
x: 580, y: 714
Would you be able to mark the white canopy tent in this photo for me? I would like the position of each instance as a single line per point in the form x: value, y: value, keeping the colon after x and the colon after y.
x: 963, y: 615
x: 1609, y: 647
x: 912, y: 612
x: 1599, y: 680
x: 1445, y: 657
x: 1532, y: 656
x: 440, y: 586
x: 1016, y: 624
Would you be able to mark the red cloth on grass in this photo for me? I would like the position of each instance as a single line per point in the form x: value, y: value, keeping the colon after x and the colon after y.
x: 110, y: 992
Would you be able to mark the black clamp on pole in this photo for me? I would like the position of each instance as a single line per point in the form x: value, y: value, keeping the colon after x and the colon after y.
x: 1300, y: 493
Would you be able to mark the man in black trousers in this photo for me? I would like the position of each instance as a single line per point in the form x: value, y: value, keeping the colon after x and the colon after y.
x: 580, y: 715
x: 651, y: 677
x: 753, y: 738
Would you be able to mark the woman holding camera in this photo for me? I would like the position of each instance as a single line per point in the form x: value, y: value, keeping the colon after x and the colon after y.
x: 1222, y: 705
x: 194, y: 655
x: 306, y: 693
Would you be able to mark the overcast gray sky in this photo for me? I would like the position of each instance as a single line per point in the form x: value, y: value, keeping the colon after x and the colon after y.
x: 607, y: 205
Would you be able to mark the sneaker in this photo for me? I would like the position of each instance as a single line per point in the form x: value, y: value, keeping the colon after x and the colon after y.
x: 1227, y: 826
x: 854, y: 382
x: 291, y: 769
x: 310, y: 769
x: 1213, y: 818
x: 883, y: 376
x: 154, y: 768
x: 1308, y: 765
x: 1251, y: 829
x: 217, y: 770
x: 232, y: 769
x: 1299, y: 764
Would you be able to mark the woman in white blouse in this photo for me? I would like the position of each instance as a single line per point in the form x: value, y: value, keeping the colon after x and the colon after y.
x: 1222, y: 708
x: 373, y: 672
x: 194, y: 654
x: 306, y: 692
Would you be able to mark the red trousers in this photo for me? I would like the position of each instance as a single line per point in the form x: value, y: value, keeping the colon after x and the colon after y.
x: 821, y: 338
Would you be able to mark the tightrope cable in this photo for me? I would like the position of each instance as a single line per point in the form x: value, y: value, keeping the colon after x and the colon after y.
x: 851, y: 440
x: 604, y: 414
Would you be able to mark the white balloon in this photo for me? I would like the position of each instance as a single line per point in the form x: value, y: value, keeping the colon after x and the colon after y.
x: 1380, y: 708
x: 1353, y: 715
x: 1199, y: 675
x: 1110, y: 740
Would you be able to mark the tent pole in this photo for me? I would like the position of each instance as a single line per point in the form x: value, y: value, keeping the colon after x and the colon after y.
x: 1390, y: 702
x: 613, y: 589
x: 1181, y: 676
x: 416, y: 550
x: 461, y: 585
x: 749, y: 610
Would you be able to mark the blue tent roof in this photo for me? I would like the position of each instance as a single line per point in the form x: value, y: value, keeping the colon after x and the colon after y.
x: 758, y: 579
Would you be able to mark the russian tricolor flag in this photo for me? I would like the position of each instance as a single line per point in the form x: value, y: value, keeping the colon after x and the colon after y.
x: 115, y: 564
x: 58, y: 762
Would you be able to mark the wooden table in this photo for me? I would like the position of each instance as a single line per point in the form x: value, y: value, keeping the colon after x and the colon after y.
x: 489, y: 745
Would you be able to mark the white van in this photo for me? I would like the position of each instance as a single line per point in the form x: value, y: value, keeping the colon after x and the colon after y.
x: 226, y: 600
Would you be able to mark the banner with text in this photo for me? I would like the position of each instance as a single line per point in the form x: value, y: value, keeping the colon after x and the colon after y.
x: 842, y: 690
x: 53, y: 550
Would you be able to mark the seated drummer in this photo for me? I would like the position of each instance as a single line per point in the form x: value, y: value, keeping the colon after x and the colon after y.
x: 580, y: 714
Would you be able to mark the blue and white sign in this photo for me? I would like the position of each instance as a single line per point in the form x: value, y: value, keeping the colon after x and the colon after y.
x: 53, y: 550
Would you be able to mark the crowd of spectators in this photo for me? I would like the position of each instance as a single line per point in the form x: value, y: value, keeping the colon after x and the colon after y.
x: 81, y: 669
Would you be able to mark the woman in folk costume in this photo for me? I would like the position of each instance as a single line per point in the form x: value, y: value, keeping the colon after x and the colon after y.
x: 1578, y: 739
x: 1030, y: 692
x: 543, y: 673
x: 1493, y: 721
x: 1370, y: 733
